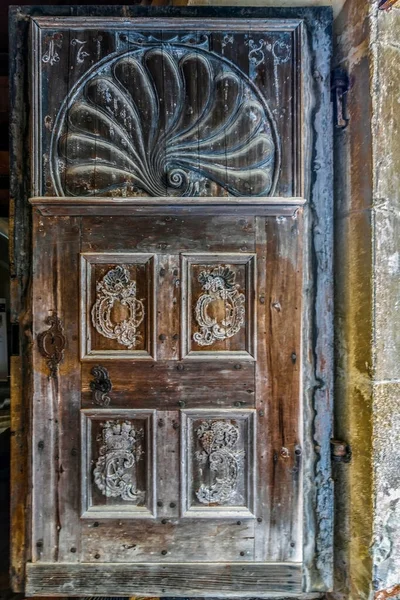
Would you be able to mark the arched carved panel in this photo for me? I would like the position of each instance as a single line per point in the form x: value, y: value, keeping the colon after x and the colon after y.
x: 164, y: 120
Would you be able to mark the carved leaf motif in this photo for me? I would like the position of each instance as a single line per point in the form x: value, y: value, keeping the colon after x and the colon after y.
x: 116, y: 285
x: 219, y: 284
x: 219, y: 440
x: 115, y: 470
x: 141, y: 124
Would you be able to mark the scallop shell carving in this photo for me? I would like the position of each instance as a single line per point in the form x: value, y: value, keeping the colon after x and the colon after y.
x: 165, y: 121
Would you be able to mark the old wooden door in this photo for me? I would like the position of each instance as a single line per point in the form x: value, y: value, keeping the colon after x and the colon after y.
x: 170, y: 306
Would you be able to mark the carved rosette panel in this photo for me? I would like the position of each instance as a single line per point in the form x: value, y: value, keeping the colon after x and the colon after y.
x: 221, y: 458
x: 115, y: 470
x: 116, y: 286
x: 219, y: 284
x: 165, y: 120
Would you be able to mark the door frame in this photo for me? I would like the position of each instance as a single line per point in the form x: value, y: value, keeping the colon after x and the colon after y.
x: 318, y: 313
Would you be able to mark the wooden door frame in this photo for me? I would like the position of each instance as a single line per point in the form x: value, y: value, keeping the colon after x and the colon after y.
x: 318, y: 317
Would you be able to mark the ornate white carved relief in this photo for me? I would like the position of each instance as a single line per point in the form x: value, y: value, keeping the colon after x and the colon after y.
x: 219, y: 284
x: 51, y: 55
x: 219, y: 440
x: 115, y: 471
x: 116, y: 285
x: 123, y: 129
x: 81, y: 52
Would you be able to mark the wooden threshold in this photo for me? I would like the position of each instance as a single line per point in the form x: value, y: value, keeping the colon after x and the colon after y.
x: 163, y: 579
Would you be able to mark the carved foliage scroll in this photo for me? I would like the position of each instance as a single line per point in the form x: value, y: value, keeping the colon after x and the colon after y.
x: 115, y: 470
x: 142, y: 124
x: 220, y: 457
x: 218, y: 470
x: 218, y: 308
x: 117, y: 305
x: 219, y: 285
x: 116, y: 286
x: 118, y: 463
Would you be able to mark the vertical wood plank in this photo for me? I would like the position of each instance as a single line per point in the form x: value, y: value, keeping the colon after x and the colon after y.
x: 283, y: 305
x: 19, y: 498
x: 45, y: 293
x: 168, y: 290
x: 68, y: 471
x: 56, y: 399
x: 168, y: 462
x: 263, y: 467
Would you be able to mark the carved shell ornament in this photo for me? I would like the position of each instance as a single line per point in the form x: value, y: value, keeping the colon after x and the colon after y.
x: 165, y: 120
x: 115, y: 470
x: 219, y: 284
x: 116, y: 286
x: 219, y: 440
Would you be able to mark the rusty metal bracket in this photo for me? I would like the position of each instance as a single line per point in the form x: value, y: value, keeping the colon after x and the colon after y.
x: 101, y: 386
x: 340, y: 451
x: 52, y: 343
x: 339, y: 89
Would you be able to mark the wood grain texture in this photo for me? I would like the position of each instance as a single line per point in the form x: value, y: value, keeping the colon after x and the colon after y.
x: 55, y: 428
x: 283, y: 409
x: 166, y: 385
x: 19, y: 478
x: 172, y: 579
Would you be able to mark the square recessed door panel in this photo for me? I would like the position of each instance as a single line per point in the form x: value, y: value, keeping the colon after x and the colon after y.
x: 117, y: 305
x: 218, y: 467
x: 118, y: 463
x: 218, y: 306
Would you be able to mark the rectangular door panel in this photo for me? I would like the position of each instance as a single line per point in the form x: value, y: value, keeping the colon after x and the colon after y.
x: 127, y: 117
x: 118, y: 463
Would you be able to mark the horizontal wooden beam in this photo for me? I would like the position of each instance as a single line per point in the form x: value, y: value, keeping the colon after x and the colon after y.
x: 153, y: 23
x: 78, y: 206
x: 163, y: 579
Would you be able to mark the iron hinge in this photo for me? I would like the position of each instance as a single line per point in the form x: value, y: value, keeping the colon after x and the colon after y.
x: 339, y: 90
x: 340, y: 451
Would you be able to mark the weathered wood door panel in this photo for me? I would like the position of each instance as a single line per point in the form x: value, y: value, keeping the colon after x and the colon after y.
x: 208, y: 469
x: 170, y: 307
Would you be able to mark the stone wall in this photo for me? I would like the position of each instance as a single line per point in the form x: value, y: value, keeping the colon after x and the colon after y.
x: 367, y: 413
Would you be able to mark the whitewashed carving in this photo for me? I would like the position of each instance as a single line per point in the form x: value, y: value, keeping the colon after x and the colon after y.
x: 219, y: 284
x: 51, y: 55
x: 220, y: 455
x: 116, y: 286
x: 81, y: 53
x: 115, y: 470
x: 125, y: 128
